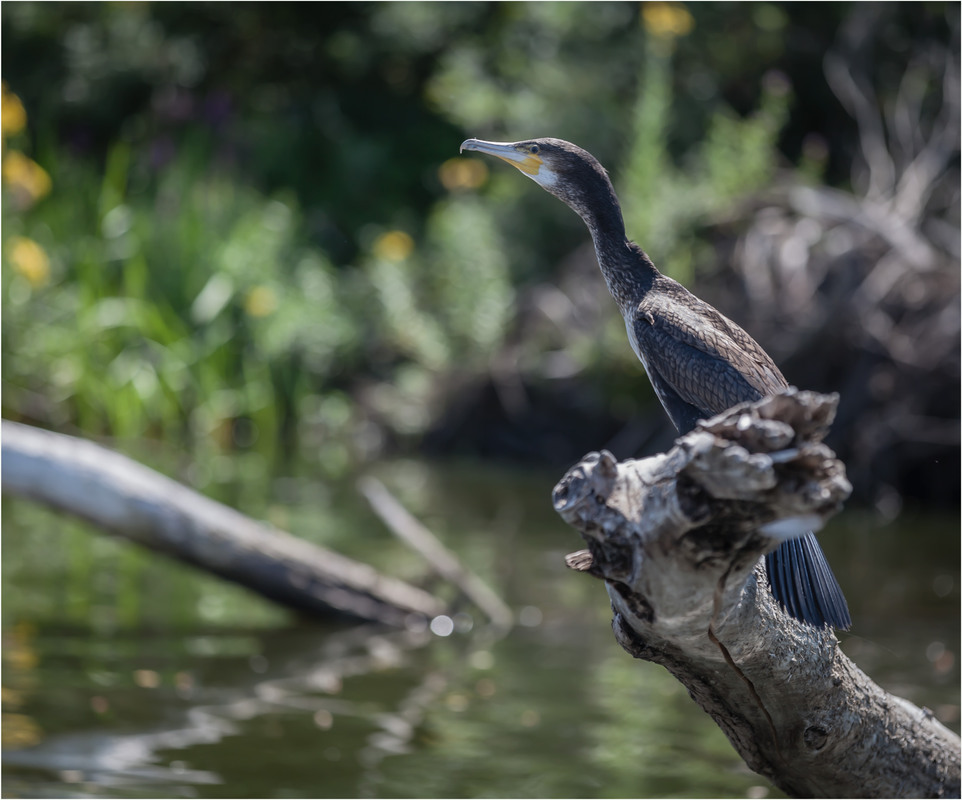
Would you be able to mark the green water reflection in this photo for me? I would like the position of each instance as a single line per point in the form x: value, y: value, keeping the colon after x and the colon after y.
x: 126, y: 675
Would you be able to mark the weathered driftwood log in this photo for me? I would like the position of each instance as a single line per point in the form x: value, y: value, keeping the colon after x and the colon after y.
x: 677, y: 539
x: 137, y: 503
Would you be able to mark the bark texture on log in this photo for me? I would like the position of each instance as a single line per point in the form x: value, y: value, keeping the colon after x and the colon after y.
x: 678, y: 539
x: 130, y: 500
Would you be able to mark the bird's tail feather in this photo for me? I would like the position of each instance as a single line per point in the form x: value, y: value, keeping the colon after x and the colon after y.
x: 802, y: 582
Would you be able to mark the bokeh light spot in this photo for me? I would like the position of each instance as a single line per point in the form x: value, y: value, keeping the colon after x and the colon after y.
x: 666, y: 20
x: 28, y: 180
x: 457, y: 174
x: 146, y: 678
x: 442, y: 625
x: 393, y: 246
x: 530, y: 616
x: 482, y: 659
x: 261, y: 301
x: 30, y: 260
x: 14, y: 116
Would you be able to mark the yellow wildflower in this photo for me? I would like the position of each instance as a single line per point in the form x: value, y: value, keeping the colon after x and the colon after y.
x: 462, y: 173
x: 30, y: 260
x: 393, y: 246
x: 260, y: 301
x: 666, y: 20
x: 13, y: 116
x: 25, y: 176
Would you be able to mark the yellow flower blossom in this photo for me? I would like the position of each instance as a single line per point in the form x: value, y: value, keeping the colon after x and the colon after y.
x: 393, y: 246
x: 261, y: 301
x: 25, y: 176
x: 30, y: 260
x: 13, y: 116
x: 462, y: 173
x: 666, y: 20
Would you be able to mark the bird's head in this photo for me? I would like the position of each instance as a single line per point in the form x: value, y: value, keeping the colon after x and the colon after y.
x: 571, y: 174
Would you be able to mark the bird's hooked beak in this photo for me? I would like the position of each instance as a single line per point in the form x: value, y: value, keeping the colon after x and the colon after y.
x: 522, y: 155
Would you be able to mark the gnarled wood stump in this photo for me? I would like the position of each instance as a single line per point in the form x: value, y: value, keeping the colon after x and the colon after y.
x: 678, y: 539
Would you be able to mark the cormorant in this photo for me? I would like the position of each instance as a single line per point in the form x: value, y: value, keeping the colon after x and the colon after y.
x: 700, y: 363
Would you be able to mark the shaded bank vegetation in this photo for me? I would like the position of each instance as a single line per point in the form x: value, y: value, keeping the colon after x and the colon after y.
x: 248, y: 230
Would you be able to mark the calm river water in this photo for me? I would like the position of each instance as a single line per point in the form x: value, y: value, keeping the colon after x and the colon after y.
x: 127, y: 675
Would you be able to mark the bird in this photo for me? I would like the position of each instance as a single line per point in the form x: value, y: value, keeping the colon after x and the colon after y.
x: 699, y: 362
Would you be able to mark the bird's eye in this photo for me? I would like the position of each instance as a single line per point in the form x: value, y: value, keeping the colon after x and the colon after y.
x: 534, y: 149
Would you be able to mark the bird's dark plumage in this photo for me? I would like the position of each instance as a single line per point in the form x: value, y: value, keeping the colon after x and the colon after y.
x: 700, y: 362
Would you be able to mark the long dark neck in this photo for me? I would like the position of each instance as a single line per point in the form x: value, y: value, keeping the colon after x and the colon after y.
x: 628, y: 272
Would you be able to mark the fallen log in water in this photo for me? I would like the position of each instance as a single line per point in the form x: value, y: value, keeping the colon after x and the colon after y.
x: 130, y: 500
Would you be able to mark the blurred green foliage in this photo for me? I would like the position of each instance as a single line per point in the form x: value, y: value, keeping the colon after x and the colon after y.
x: 256, y: 232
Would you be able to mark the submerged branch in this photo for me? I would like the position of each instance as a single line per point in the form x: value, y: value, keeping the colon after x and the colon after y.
x: 413, y: 533
x: 677, y: 539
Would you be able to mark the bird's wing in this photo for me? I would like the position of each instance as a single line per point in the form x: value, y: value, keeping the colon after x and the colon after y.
x: 707, y: 361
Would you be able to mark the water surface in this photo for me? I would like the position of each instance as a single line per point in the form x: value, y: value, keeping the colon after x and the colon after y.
x: 128, y: 675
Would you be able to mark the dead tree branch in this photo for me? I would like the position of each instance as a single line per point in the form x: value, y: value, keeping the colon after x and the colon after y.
x: 677, y: 539
x: 413, y: 533
x: 134, y: 502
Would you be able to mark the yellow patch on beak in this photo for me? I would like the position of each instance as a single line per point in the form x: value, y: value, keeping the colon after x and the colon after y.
x: 531, y: 164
